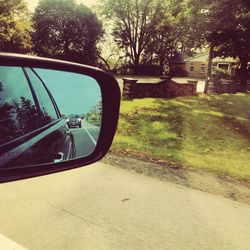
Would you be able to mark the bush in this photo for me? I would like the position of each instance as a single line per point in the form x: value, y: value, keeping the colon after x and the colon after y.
x: 146, y: 69
x: 177, y: 71
x: 222, y: 74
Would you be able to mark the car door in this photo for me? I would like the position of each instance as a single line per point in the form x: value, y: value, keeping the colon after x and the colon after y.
x: 32, y: 131
x: 59, y: 141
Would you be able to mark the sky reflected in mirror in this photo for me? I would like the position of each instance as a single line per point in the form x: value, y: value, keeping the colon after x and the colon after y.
x: 73, y: 93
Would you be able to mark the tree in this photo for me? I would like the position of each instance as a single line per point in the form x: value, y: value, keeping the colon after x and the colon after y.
x: 26, y: 115
x: 8, y: 126
x: 162, y: 44
x: 111, y: 56
x: 66, y: 30
x: 133, y: 24
x: 95, y: 114
x: 15, y: 26
x: 170, y: 34
x: 225, y: 25
x: 230, y: 32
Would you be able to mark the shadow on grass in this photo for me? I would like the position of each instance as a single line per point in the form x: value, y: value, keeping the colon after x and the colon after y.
x: 197, y: 131
x: 235, y: 109
x: 155, y: 132
x: 232, y: 109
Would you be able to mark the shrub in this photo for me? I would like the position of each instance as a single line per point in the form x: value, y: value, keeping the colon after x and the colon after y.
x: 146, y: 69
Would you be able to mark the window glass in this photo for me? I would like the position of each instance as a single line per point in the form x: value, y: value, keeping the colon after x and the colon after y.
x: 18, y: 113
x: 191, y: 67
x: 223, y: 66
x: 203, y: 68
x: 45, y: 102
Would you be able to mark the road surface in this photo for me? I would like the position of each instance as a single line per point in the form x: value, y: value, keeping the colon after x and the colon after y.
x: 85, y: 138
x: 101, y: 207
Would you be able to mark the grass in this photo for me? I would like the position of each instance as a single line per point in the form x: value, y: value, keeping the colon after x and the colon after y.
x: 208, y: 132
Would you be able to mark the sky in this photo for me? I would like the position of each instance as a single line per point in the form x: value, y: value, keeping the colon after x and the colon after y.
x: 33, y: 3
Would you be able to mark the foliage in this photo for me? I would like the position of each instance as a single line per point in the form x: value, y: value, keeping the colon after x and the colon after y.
x: 26, y: 115
x: 148, y: 69
x: 201, y: 132
x: 231, y: 31
x: 133, y: 24
x: 226, y: 25
x: 162, y: 43
x: 64, y: 116
x: 152, y: 31
x: 175, y: 32
x: 15, y: 26
x: 111, y: 57
x: 178, y: 71
x: 66, y: 30
x: 95, y: 114
x: 187, y: 25
x: 7, y: 125
x: 221, y: 73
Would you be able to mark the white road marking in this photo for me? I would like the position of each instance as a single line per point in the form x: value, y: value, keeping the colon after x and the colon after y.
x: 8, y: 244
x: 91, y: 137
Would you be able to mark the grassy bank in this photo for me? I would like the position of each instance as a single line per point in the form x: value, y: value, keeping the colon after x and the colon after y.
x: 205, y: 132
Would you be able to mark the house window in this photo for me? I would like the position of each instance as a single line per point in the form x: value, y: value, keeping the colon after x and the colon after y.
x: 203, y: 68
x: 223, y: 66
x: 191, y: 68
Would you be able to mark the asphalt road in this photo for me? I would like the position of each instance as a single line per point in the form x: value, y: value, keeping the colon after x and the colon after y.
x: 85, y: 138
x: 101, y: 207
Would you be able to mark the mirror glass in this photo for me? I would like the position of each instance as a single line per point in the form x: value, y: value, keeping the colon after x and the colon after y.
x: 47, y: 116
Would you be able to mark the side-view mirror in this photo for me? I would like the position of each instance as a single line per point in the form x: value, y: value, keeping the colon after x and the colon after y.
x: 54, y: 115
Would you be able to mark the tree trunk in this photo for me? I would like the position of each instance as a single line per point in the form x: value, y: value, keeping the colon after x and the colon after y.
x: 136, y: 64
x: 243, y: 73
x: 105, y: 61
x: 209, y: 67
x: 162, y: 65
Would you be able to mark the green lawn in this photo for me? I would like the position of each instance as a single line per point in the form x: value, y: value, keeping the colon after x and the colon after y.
x: 209, y: 132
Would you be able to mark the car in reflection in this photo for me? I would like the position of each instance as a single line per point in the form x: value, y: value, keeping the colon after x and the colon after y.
x: 31, y: 127
x: 74, y: 120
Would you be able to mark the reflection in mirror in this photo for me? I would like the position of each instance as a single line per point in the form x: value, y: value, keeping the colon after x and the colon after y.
x: 47, y: 116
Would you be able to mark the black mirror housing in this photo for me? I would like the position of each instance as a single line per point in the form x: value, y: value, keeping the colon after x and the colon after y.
x: 110, y: 93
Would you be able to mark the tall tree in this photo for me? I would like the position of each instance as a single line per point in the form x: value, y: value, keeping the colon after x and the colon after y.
x: 163, y: 41
x: 172, y: 32
x: 230, y: 32
x: 133, y: 24
x: 15, y: 26
x: 66, y: 30
x: 226, y: 26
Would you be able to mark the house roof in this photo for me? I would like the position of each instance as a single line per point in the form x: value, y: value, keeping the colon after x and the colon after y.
x: 204, y: 58
x: 198, y: 58
x: 226, y: 59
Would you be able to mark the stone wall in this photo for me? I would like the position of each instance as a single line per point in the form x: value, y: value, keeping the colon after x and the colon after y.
x: 166, y: 88
x: 228, y: 87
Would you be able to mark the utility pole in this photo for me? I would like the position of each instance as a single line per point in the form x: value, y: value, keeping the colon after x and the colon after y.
x: 209, y: 66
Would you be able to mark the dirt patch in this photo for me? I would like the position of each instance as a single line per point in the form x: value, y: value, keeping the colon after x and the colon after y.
x: 225, y: 186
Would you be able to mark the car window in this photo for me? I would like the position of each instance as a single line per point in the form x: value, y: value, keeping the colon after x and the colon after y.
x: 74, y: 116
x: 45, y: 102
x: 18, y: 113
